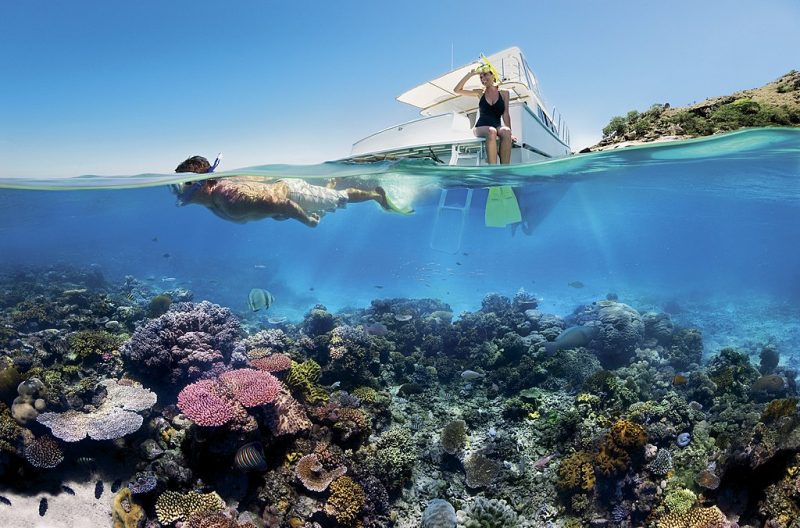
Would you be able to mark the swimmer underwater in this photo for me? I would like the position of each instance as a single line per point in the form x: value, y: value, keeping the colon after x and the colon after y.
x: 244, y: 198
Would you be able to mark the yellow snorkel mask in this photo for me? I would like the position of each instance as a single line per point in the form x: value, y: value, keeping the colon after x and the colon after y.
x: 487, y: 67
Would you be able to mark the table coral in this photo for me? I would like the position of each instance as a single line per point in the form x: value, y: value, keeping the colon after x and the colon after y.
x: 314, y: 477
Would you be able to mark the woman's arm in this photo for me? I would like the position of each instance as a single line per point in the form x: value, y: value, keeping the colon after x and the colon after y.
x: 459, y: 89
x: 506, y: 115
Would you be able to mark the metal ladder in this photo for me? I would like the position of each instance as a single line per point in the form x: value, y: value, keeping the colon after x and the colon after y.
x: 454, y: 205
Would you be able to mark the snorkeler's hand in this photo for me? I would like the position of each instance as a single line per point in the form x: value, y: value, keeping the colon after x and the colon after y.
x: 313, y: 220
x: 513, y: 139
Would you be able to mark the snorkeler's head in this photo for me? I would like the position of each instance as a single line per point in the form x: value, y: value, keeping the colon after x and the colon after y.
x: 196, y: 164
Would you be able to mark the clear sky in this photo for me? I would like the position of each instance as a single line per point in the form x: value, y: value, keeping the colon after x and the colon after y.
x: 99, y: 87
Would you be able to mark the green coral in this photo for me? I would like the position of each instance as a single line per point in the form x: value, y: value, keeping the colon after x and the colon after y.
x: 487, y: 513
x: 679, y: 500
x: 86, y: 343
x: 777, y: 409
x: 393, y: 457
x: 303, y: 378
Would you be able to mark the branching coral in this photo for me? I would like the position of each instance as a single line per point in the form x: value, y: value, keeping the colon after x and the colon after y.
x: 303, y: 378
x: 92, y: 342
x: 695, y: 518
x: 577, y: 472
x: 346, y: 501
x: 173, y: 506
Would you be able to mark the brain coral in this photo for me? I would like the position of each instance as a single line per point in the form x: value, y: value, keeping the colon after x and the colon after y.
x: 620, y: 330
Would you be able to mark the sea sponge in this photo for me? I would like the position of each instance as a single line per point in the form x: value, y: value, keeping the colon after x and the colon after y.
x: 125, y: 513
x: 314, y: 477
x: 454, y: 436
x: 695, y: 518
x: 577, y: 472
x: 346, y: 501
x: 173, y: 506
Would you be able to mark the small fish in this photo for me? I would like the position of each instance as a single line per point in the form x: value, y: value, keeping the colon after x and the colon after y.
x: 67, y: 489
x: 250, y: 457
x: 154, y: 239
x: 576, y: 284
x: 168, y: 279
x: 465, y: 254
x: 259, y: 298
x: 166, y: 255
x: 311, y: 288
x: 259, y: 266
x: 377, y: 329
x: 545, y: 460
x: 471, y: 375
x: 89, y: 462
x: 378, y: 286
x: 5, y: 501
x: 458, y: 263
x: 679, y: 379
x: 42, y: 507
x: 98, y: 489
x: 130, y: 296
x: 276, y: 320
x: 116, y: 485
x: 403, y: 317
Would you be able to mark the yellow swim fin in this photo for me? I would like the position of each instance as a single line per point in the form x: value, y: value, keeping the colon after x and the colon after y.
x: 502, y: 207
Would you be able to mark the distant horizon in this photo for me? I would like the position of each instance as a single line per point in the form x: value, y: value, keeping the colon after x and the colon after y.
x: 119, y: 90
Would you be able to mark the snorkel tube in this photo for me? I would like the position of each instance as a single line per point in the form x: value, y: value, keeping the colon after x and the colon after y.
x: 186, y: 195
x: 487, y: 66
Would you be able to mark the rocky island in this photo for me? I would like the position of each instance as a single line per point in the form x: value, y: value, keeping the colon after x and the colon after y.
x: 774, y: 104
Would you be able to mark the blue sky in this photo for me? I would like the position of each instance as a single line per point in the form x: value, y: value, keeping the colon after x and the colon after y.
x: 98, y: 87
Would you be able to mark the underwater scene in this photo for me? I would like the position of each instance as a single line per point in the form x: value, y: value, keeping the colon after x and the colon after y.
x: 624, y: 352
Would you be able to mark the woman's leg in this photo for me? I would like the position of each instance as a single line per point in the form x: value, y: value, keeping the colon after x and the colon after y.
x: 490, y: 133
x: 505, y: 145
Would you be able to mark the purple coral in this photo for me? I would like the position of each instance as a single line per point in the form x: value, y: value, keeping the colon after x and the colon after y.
x: 181, y: 344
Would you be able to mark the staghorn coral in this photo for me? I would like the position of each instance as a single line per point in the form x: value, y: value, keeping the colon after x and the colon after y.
x: 206, y: 403
x: 454, y: 436
x: 303, y: 378
x: 173, y: 506
x: 251, y: 387
x: 125, y: 513
x: 346, y: 501
x: 185, y: 342
x: 44, y: 452
x: 487, y: 513
x: 695, y: 518
x: 314, y: 477
x: 577, y: 472
x: 272, y: 363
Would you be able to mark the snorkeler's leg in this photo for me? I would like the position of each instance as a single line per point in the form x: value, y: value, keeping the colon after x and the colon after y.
x: 490, y: 133
x: 359, y: 195
x: 505, y: 145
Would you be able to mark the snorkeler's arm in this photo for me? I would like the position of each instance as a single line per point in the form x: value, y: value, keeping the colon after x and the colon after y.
x: 459, y: 89
x: 293, y: 210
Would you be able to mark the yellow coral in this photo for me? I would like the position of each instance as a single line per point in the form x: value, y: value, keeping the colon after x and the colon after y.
x: 628, y: 434
x: 695, y: 518
x: 125, y: 513
x: 303, y: 378
x: 172, y: 506
x: 346, y: 500
x: 576, y: 471
x: 366, y: 394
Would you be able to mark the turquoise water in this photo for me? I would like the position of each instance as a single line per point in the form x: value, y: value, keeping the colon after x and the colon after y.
x: 703, y: 221
x: 706, y: 231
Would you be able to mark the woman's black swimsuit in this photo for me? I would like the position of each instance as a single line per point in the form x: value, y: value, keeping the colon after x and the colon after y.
x: 490, y: 114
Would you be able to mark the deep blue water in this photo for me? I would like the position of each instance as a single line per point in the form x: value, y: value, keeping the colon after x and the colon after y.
x: 713, y: 225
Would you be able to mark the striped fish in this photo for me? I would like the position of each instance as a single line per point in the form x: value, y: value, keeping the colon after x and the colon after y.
x: 250, y: 457
x: 259, y: 298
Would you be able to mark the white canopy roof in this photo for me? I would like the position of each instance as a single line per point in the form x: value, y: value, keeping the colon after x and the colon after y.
x: 437, y: 96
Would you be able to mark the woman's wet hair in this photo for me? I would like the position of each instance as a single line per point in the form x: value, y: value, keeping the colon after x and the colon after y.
x: 196, y: 164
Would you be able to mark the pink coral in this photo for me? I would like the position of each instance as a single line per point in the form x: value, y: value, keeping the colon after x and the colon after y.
x: 251, y: 387
x: 205, y: 404
x: 274, y: 363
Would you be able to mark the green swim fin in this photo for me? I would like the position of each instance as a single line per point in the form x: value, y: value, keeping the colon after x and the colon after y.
x: 391, y: 206
x: 502, y: 207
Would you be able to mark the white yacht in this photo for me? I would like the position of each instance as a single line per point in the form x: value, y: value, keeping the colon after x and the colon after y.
x: 444, y: 132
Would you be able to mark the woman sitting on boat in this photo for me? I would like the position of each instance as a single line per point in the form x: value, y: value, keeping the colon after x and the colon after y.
x: 244, y: 198
x: 493, y: 105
